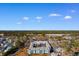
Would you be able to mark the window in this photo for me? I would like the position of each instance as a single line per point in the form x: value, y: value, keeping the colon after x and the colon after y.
x: 37, y: 51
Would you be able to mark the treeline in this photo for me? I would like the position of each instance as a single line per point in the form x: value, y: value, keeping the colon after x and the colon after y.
x: 18, y: 33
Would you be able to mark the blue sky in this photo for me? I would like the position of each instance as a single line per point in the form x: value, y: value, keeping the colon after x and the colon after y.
x: 39, y: 16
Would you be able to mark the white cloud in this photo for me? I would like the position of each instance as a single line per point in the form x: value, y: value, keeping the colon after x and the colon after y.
x: 54, y: 14
x: 19, y: 23
x: 25, y: 18
x: 73, y: 11
x: 68, y: 17
x: 39, y: 17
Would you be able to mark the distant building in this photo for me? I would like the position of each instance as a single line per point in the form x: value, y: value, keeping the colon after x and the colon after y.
x: 58, y: 49
x: 4, y: 45
x: 69, y: 37
x: 55, y: 35
x: 39, y: 47
x: 54, y: 54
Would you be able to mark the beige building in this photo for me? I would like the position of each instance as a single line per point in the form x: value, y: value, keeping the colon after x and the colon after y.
x: 39, y: 47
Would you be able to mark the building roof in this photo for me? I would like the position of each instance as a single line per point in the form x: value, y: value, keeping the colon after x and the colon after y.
x: 22, y: 52
x: 39, y: 44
